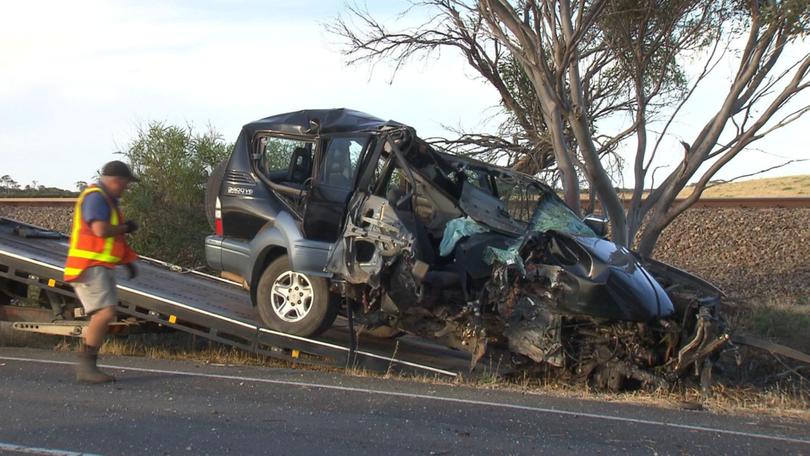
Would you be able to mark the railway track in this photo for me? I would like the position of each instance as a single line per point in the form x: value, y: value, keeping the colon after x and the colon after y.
x: 759, y: 203
x: 28, y: 202
x: 765, y: 202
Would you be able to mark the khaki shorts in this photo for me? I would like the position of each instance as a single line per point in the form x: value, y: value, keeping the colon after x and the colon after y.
x: 96, y: 289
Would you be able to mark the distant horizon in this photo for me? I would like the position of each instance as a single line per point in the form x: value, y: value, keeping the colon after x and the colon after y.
x: 582, y: 191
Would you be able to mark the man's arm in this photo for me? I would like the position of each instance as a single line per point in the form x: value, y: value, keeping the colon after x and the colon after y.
x: 96, y: 211
x: 104, y: 229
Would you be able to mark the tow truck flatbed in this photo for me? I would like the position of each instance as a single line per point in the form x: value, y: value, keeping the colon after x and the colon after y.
x: 214, y: 308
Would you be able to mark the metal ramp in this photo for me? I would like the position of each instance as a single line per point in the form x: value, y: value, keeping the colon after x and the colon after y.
x: 215, y: 309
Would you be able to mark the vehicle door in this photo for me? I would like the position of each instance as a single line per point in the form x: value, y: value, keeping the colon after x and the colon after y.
x: 285, y: 164
x: 332, y: 185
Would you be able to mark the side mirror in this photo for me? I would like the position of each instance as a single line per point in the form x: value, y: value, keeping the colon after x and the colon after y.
x: 597, y: 223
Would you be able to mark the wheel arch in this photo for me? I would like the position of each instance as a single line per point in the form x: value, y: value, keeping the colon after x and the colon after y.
x: 283, y: 236
x: 267, y: 255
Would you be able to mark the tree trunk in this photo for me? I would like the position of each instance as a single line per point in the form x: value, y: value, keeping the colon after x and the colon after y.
x: 650, y: 235
x: 563, y: 159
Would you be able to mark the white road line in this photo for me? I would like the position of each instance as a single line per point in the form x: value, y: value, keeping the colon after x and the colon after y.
x: 10, y: 447
x: 596, y: 416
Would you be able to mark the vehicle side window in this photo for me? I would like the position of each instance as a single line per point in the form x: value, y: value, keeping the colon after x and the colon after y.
x: 520, y: 199
x: 285, y: 160
x: 340, y: 161
x: 480, y: 180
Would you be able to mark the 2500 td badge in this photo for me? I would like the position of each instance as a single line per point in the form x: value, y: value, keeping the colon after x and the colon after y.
x: 239, y: 191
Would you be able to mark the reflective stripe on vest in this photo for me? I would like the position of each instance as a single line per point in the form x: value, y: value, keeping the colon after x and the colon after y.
x: 72, y: 272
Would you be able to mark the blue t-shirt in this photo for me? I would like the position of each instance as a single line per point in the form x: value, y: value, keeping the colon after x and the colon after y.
x: 95, y: 208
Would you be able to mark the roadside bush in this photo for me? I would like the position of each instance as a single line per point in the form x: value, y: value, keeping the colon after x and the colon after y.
x: 173, y: 164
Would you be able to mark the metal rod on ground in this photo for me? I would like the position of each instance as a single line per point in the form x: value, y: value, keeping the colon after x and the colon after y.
x: 352, y: 335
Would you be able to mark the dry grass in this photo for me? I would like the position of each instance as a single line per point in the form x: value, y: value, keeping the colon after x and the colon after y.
x: 788, y: 399
x: 785, y: 320
x: 180, y: 346
x: 772, y: 186
x: 765, y: 187
x: 785, y: 400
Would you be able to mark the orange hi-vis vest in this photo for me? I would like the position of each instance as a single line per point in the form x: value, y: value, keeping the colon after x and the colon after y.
x: 87, y: 249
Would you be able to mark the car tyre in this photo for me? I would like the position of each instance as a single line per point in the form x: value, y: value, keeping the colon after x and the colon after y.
x: 292, y: 302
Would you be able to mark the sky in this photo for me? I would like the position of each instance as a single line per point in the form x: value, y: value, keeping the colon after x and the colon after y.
x: 78, y: 78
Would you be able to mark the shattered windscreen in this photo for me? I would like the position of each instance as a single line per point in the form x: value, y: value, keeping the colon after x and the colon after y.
x: 553, y: 214
x: 503, y: 200
x: 538, y: 207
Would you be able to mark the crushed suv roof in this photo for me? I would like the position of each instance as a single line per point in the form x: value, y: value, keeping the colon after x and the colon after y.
x: 340, y: 120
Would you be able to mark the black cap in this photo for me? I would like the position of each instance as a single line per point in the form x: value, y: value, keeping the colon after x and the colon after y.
x: 117, y: 168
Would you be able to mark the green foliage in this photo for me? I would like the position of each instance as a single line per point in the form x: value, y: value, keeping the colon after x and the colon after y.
x: 646, y: 37
x: 278, y: 153
x: 794, y: 13
x: 173, y: 164
x: 520, y: 86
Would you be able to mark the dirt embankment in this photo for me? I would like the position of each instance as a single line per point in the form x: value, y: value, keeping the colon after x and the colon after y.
x: 751, y: 254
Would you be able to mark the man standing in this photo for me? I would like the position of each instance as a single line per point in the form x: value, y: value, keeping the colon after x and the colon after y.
x: 97, y: 246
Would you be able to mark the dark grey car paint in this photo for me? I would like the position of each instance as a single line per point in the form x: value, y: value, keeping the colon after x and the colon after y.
x: 244, y: 257
x: 305, y: 255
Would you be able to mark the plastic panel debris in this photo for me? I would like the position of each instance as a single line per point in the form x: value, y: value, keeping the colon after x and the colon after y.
x: 456, y: 230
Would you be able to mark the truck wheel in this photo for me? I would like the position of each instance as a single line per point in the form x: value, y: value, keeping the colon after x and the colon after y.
x: 292, y: 302
x: 212, y: 190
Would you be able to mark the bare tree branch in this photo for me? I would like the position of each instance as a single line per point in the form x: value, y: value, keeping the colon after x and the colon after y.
x: 562, y: 67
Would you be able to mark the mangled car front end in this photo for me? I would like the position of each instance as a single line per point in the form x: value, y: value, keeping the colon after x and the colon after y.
x: 492, y: 262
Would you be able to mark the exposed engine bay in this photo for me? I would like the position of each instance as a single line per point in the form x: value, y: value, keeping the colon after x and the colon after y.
x: 493, y: 262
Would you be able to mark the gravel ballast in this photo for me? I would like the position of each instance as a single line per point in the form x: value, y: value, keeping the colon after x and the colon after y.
x: 752, y: 254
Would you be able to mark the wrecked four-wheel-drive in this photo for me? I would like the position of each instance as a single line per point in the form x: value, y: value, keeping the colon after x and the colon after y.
x: 323, y: 211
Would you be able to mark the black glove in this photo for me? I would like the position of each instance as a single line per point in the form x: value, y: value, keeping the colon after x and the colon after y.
x: 132, y: 270
x: 132, y: 226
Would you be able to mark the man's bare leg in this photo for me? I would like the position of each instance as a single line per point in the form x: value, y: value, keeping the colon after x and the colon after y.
x: 97, y: 329
x: 86, y: 370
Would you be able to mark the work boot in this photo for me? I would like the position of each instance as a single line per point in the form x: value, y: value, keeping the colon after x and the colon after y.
x: 87, y: 371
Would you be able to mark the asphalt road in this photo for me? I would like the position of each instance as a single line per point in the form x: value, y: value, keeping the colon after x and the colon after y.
x: 170, y: 407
